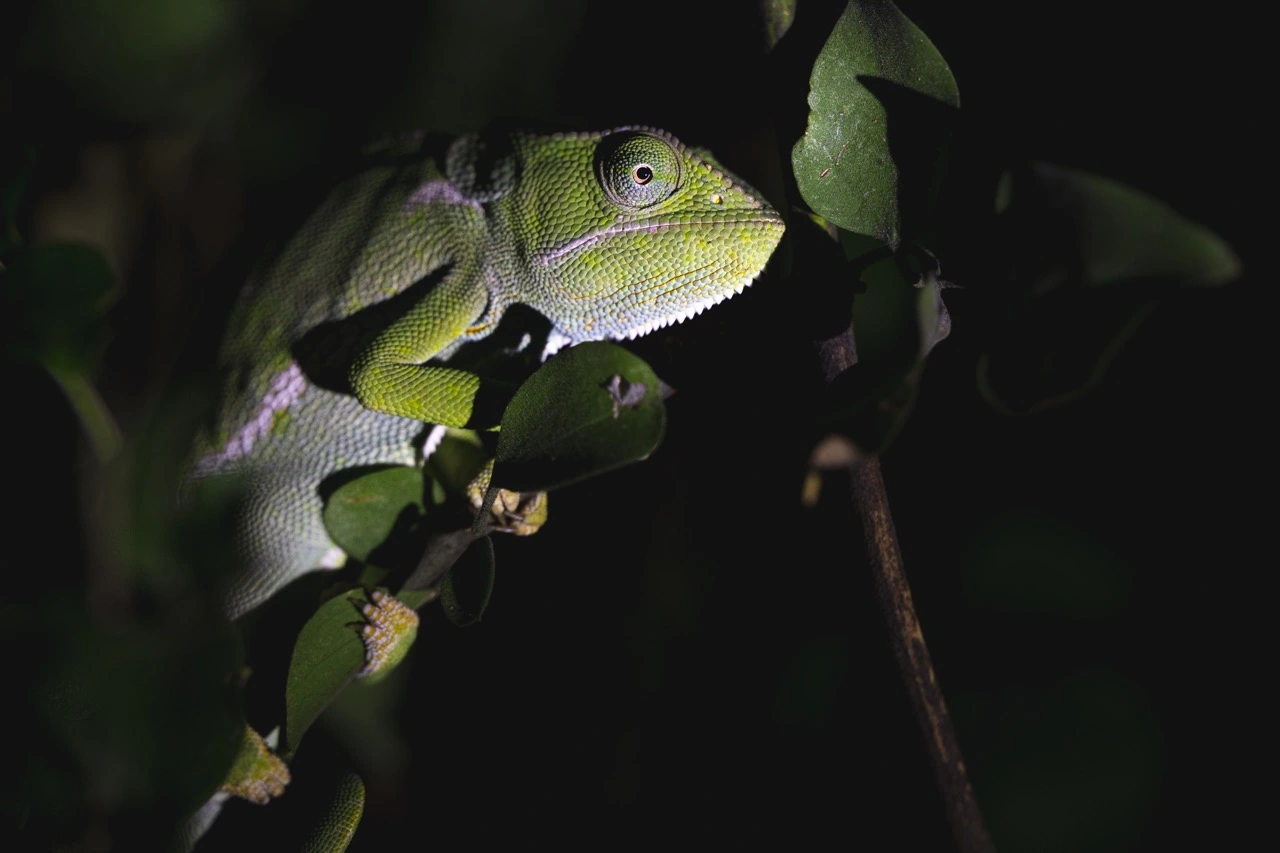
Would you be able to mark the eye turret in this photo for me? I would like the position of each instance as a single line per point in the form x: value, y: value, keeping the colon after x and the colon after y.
x: 637, y: 170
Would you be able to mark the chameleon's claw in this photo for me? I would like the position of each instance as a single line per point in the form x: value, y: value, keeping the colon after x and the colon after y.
x: 388, y: 635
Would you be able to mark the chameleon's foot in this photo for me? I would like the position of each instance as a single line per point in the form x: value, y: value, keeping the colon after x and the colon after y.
x: 258, y: 774
x: 390, y: 632
x: 521, y: 513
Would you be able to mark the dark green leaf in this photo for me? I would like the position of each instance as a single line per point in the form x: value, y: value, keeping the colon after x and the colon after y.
x: 55, y: 298
x: 1069, y: 228
x: 361, y: 515
x: 896, y: 326
x: 1089, y: 259
x: 465, y: 593
x: 1027, y: 562
x: 591, y: 408
x: 147, y: 61
x: 1075, y: 764
x: 327, y: 655
x: 881, y: 101
x: 457, y: 460
x: 142, y: 708
x: 1058, y: 348
x: 778, y: 15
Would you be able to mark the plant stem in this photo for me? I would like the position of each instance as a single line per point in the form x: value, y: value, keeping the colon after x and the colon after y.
x: 837, y: 354
x: 912, y: 654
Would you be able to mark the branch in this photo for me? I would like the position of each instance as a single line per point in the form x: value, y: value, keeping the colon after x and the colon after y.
x: 836, y: 355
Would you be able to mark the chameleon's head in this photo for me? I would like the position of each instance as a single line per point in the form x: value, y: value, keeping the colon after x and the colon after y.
x: 629, y: 231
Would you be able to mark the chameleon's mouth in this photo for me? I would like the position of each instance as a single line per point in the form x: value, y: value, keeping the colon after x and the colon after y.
x: 692, y: 309
x: 655, y: 225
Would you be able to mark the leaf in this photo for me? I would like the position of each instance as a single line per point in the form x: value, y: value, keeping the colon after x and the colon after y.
x: 138, y: 709
x: 896, y: 326
x: 466, y: 590
x: 1058, y: 348
x: 561, y: 427
x: 1089, y: 260
x: 55, y: 298
x: 881, y: 101
x: 57, y: 295
x: 1076, y: 229
x: 362, y: 514
x: 1075, y: 763
x: 457, y: 460
x: 327, y: 655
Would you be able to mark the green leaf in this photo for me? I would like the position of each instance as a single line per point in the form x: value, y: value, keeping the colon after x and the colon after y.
x: 362, y: 514
x: 55, y: 298
x: 327, y: 655
x: 896, y: 325
x: 1075, y: 229
x: 149, y: 61
x: 1090, y: 258
x: 466, y: 590
x: 591, y: 408
x: 1074, y: 764
x: 457, y: 460
x: 1058, y: 348
x: 139, y: 708
x: 881, y: 101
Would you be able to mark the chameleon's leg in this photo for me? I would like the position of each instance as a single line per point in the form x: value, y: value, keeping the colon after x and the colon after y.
x: 392, y: 376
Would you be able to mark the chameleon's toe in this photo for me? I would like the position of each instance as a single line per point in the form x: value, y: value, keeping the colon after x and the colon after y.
x: 258, y: 775
x: 388, y: 634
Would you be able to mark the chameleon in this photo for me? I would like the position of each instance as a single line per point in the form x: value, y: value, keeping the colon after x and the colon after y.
x: 340, y: 352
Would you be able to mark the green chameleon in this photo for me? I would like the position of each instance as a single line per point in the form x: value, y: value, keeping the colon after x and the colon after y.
x: 338, y: 352
x: 344, y: 350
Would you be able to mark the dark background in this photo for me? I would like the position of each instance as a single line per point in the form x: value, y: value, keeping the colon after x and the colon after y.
x: 685, y: 653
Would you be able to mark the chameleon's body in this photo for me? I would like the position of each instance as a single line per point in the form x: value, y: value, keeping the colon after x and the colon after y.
x: 335, y: 355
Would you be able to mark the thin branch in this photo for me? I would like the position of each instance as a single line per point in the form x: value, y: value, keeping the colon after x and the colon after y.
x: 837, y: 354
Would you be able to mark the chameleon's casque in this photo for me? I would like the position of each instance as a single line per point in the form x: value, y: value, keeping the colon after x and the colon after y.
x: 337, y: 354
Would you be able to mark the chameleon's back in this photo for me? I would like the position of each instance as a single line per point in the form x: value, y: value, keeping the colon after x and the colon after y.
x: 285, y: 419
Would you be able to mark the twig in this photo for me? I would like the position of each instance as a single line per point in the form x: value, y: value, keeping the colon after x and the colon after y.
x: 837, y: 354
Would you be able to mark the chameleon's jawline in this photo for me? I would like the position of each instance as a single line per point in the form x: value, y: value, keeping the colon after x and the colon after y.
x: 546, y: 258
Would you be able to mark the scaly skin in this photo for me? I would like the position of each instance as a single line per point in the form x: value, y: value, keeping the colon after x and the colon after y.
x: 334, y: 357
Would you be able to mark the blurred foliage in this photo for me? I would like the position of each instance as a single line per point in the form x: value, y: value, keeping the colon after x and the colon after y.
x: 55, y: 298
x: 133, y: 692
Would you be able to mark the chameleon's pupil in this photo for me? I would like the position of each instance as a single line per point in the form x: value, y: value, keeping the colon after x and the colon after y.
x: 643, y: 175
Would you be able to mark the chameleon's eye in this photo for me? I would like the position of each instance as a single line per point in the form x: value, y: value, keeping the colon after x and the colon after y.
x: 637, y: 170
